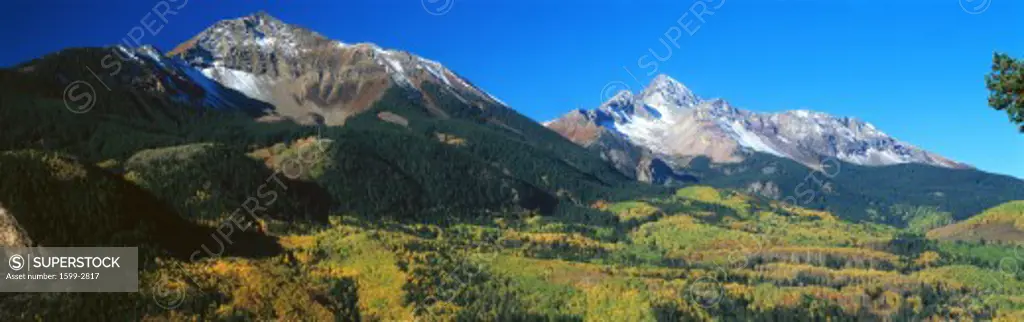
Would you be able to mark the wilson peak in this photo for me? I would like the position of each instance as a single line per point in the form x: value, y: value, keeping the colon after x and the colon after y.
x: 672, y: 122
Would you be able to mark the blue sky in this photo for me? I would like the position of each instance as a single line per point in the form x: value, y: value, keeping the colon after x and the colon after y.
x: 913, y: 68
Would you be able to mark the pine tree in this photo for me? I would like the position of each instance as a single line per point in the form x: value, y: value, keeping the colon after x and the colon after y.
x: 1005, y: 85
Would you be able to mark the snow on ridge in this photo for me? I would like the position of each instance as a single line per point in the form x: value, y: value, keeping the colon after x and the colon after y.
x: 154, y: 55
x: 129, y: 52
x: 270, y: 43
x: 211, y: 87
x: 751, y: 140
x: 394, y: 67
x: 887, y: 156
x: 434, y: 68
x: 873, y: 156
x: 496, y: 99
x: 246, y: 83
x: 661, y: 106
x: 647, y: 133
x: 664, y: 92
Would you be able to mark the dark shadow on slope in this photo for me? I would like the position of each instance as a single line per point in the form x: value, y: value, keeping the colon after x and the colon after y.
x: 58, y: 201
x: 861, y: 193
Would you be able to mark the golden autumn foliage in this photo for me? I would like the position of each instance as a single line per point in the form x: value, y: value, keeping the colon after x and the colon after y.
x: 766, y: 261
x: 633, y: 210
x: 762, y: 261
x: 375, y: 270
x: 615, y: 302
x: 1001, y: 223
x: 927, y: 259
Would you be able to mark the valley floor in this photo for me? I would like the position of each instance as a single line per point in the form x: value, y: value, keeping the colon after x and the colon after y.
x: 702, y: 254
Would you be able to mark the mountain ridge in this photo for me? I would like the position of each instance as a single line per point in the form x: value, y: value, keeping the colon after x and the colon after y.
x: 307, y: 75
x: 791, y: 156
x: 670, y: 120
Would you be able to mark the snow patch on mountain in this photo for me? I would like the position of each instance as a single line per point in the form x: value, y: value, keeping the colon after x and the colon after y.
x: 645, y: 132
x: 212, y: 97
x: 153, y: 55
x: 495, y: 99
x: 251, y: 85
x: 434, y: 68
x: 128, y: 52
x: 396, y: 69
x: 751, y: 140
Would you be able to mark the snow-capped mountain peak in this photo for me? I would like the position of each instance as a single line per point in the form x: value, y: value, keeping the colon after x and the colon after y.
x: 623, y: 97
x: 665, y: 93
x: 670, y: 120
x: 305, y: 74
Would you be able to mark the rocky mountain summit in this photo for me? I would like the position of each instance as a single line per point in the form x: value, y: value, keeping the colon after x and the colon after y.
x: 669, y: 121
x: 307, y: 76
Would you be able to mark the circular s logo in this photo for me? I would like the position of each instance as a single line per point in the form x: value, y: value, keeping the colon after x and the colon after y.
x: 79, y: 97
x: 16, y: 262
x: 438, y: 7
x: 612, y: 89
x: 975, y: 6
